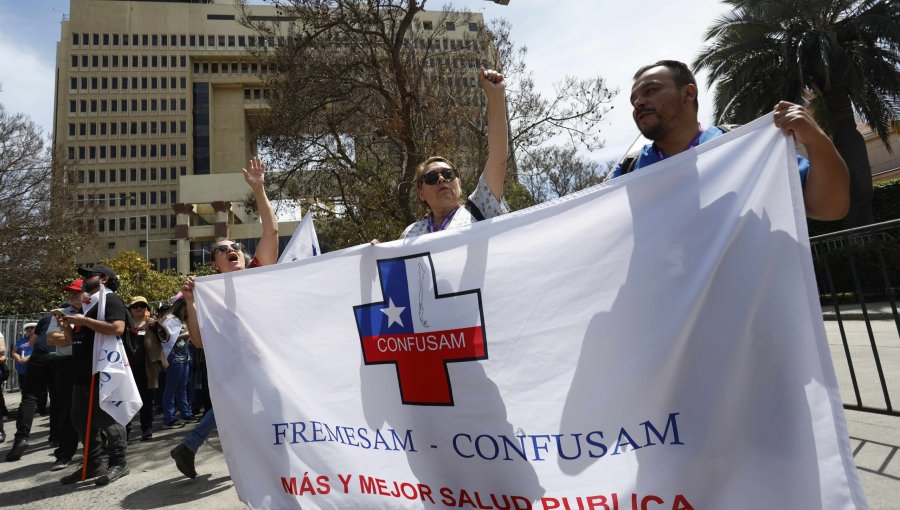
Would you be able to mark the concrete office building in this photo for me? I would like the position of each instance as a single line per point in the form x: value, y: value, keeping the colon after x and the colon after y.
x: 155, y: 108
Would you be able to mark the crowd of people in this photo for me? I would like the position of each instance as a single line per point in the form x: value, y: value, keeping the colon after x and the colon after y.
x: 56, y: 350
x: 54, y: 356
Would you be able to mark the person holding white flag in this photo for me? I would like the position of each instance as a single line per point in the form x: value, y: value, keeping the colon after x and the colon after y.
x: 112, y: 399
x: 228, y: 256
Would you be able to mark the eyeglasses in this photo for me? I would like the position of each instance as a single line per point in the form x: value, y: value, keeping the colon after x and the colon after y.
x: 431, y: 178
x: 139, y: 305
x: 223, y: 248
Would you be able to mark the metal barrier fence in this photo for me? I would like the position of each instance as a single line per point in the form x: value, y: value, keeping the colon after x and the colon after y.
x: 13, y: 328
x: 858, y: 273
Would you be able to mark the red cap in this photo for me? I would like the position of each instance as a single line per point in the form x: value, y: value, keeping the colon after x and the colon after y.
x: 76, y: 286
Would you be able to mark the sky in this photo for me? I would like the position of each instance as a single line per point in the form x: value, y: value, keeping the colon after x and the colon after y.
x: 582, y: 38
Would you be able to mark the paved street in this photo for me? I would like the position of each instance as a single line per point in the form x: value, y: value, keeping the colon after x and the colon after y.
x: 874, y: 438
x: 155, y: 483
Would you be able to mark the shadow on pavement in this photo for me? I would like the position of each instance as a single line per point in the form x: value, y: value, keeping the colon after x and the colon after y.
x: 175, y: 491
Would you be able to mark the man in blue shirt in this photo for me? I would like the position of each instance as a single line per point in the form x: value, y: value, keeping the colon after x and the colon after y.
x: 664, y: 102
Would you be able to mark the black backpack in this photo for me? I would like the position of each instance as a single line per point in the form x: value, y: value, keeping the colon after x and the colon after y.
x: 474, y: 210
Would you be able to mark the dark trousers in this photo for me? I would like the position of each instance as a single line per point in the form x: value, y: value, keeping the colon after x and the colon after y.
x: 140, y: 379
x: 116, y: 437
x: 41, y: 368
x: 61, y: 400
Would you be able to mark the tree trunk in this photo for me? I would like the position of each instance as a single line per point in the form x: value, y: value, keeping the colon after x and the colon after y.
x: 852, y: 147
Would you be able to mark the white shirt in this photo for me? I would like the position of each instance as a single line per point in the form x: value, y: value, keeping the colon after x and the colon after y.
x: 483, y: 199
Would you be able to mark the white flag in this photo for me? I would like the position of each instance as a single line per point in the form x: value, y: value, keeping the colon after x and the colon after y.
x: 173, y: 326
x: 654, y: 342
x: 118, y: 393
x: 304, y: 243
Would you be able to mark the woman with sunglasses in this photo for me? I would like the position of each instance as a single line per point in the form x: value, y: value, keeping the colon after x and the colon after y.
x: 437, y: 179
x: 228, y: 256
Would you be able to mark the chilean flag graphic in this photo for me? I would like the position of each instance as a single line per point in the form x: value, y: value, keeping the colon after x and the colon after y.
x: 419, y: 330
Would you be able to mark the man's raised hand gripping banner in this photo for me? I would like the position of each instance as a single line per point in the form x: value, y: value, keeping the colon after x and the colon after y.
x: 652, y: 343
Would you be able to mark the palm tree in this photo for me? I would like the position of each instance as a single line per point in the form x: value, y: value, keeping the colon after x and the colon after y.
x: 840, y: 57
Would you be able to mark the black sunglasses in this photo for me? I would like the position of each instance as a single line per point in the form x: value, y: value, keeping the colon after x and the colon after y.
x: 431, y: 178
x: 139, y: 305
x: 223, y: 248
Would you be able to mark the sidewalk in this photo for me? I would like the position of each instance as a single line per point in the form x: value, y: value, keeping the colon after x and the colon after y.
x: 153, y: 483
x: 878, y: 311
x: 875, y: 441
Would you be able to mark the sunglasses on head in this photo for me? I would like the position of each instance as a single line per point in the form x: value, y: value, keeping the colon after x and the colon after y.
x: 431, y: 178
x: 223, y: 248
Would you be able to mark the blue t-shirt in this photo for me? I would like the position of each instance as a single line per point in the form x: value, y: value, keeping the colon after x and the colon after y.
x: 23, y: 348
x: 650, y: 154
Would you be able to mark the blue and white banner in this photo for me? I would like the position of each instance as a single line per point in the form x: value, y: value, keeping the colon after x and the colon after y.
x: 654, y: 342
x: 117, y: 391
x: 304, y: 243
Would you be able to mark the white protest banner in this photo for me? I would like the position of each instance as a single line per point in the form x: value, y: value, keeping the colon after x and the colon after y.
x: 117, y: 392
x: 653, y: 343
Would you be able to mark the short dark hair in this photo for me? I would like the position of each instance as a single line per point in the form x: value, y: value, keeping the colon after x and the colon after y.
x: 681, y: 74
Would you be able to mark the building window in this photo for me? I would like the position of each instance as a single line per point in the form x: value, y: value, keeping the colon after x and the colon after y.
x: 74, y: 39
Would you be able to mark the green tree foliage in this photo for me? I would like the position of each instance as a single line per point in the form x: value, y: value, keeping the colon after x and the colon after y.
x: 366, y: 90
x: 886, y: 202
x: 839, y: 56
x: 137, y: 278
